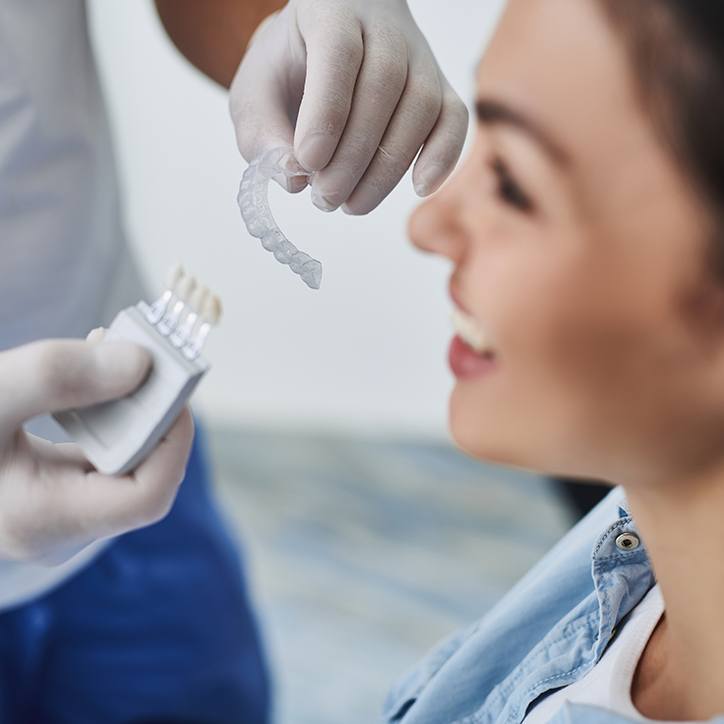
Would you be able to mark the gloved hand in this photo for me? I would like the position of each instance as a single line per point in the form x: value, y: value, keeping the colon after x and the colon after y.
x: 52, y: 502
x: 354, y: 87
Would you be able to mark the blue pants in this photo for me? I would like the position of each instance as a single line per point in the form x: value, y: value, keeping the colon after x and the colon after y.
x: 157, y: 629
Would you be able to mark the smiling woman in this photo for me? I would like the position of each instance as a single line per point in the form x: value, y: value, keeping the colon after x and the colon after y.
x: 583, y: 231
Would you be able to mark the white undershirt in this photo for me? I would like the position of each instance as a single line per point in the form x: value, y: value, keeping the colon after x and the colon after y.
x: 608, y: 684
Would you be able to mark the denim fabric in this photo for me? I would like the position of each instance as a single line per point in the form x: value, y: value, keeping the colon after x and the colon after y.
x: 158, y: 628
x: 548, y: 631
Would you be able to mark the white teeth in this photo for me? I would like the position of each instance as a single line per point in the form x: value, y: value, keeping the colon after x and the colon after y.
x: 470, y: 331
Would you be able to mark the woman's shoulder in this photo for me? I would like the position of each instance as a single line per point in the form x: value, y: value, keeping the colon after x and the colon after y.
x: 501, y: 639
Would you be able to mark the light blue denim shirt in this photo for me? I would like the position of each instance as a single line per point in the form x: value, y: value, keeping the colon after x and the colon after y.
x: 548, y: 631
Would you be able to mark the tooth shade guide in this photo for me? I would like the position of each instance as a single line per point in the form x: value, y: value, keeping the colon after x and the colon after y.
x: 185, y: 288
x: 193, y: 348
x: 188, y: 324
x: 156, y: 311
x: 117, y: 435
x: 211, y: 311
x: 158, y: 308
x: 183, y: 291
x: 181, y: 335
x: 209, y: 317
x: 194, y: 306
x: 198, y: 298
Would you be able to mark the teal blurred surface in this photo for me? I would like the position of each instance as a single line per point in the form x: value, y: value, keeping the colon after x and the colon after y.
x: 363, y: 552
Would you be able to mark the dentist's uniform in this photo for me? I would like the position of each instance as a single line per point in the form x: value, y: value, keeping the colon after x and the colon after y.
x: 155, y: 625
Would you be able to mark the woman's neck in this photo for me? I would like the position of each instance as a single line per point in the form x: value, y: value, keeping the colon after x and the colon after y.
x: 682, y: 526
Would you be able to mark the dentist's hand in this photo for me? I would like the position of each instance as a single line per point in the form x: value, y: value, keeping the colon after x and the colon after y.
x: 52, y: 502
x: 354, y: 87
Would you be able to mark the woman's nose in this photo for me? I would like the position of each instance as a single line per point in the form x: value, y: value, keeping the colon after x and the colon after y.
x: 434, y: 225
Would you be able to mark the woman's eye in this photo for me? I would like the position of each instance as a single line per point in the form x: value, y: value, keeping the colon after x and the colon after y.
x: 508, y: 189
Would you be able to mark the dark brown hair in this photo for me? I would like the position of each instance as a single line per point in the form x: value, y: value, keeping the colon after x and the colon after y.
x: 676, y: 48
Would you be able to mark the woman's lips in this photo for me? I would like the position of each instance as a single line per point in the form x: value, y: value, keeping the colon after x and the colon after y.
x: 466, y: 363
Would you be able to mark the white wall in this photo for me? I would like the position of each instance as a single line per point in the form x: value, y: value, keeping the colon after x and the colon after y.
x: 367, y: 351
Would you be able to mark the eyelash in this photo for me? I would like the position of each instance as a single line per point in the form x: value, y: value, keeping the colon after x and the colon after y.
x: 508, y: 189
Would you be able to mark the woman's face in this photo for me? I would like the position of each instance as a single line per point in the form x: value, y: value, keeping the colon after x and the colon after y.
x: 579, y: 253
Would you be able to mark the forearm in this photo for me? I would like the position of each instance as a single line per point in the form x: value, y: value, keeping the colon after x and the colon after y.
x: 213, y: 34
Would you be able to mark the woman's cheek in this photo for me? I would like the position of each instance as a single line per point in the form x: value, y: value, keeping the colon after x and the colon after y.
x: 558, y: 341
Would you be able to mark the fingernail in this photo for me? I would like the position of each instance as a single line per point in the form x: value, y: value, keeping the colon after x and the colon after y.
x: 429, y: 179
x: 296, y: 184
x: 322, y: 202
x: 331, y: 188
x: 421, y: 189
x: 315, y: 150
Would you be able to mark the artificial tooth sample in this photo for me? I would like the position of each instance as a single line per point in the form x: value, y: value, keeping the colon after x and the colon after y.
x: 209, y: 316
x: 182, y: 292
x: 157, y: 310
x: 182, y: 334
x: 184, y: 313
x: 254, y: 205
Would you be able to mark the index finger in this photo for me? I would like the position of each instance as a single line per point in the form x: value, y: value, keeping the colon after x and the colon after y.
x: 334, y: 56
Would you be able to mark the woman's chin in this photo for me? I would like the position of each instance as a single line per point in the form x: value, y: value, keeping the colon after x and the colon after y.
x: 497, y: 453
x: 482, y: 436
x: 492, y: 445
x: 474, y: 443
x: 491, y: 439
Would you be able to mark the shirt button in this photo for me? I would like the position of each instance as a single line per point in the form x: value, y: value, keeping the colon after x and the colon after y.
x: 627, y: 542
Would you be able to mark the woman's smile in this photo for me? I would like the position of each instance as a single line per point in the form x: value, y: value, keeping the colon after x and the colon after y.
x: 573, y: 243
x: 471, y: 351
x: 465, y: 362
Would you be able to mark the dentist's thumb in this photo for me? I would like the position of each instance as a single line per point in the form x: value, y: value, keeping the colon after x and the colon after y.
x: 55, y: 375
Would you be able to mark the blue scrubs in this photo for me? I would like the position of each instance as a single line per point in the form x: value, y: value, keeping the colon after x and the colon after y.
x: 158, y: 628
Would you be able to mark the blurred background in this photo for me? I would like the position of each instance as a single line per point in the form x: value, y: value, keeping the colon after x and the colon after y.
x: 367, y: 536
x: 365, y: 352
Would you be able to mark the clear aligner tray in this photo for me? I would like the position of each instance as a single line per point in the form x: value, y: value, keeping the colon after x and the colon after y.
x: 254, y: 204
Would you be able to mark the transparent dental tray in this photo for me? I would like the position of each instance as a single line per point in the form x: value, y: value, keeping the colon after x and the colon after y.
x: 254, y: 205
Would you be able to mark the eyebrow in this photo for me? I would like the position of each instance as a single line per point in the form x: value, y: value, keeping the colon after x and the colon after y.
x: 491, y: 111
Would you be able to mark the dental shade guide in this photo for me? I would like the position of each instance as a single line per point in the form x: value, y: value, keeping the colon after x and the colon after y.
x: 117, y: 435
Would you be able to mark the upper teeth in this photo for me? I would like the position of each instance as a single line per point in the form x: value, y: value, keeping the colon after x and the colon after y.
x: 470, y: 331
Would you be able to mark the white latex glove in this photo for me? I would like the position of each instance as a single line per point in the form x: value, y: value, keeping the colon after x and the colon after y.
x: 353, y: 86
x: 52, y: 502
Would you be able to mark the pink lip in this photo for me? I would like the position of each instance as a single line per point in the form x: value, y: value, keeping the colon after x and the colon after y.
x: 466, y: 363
